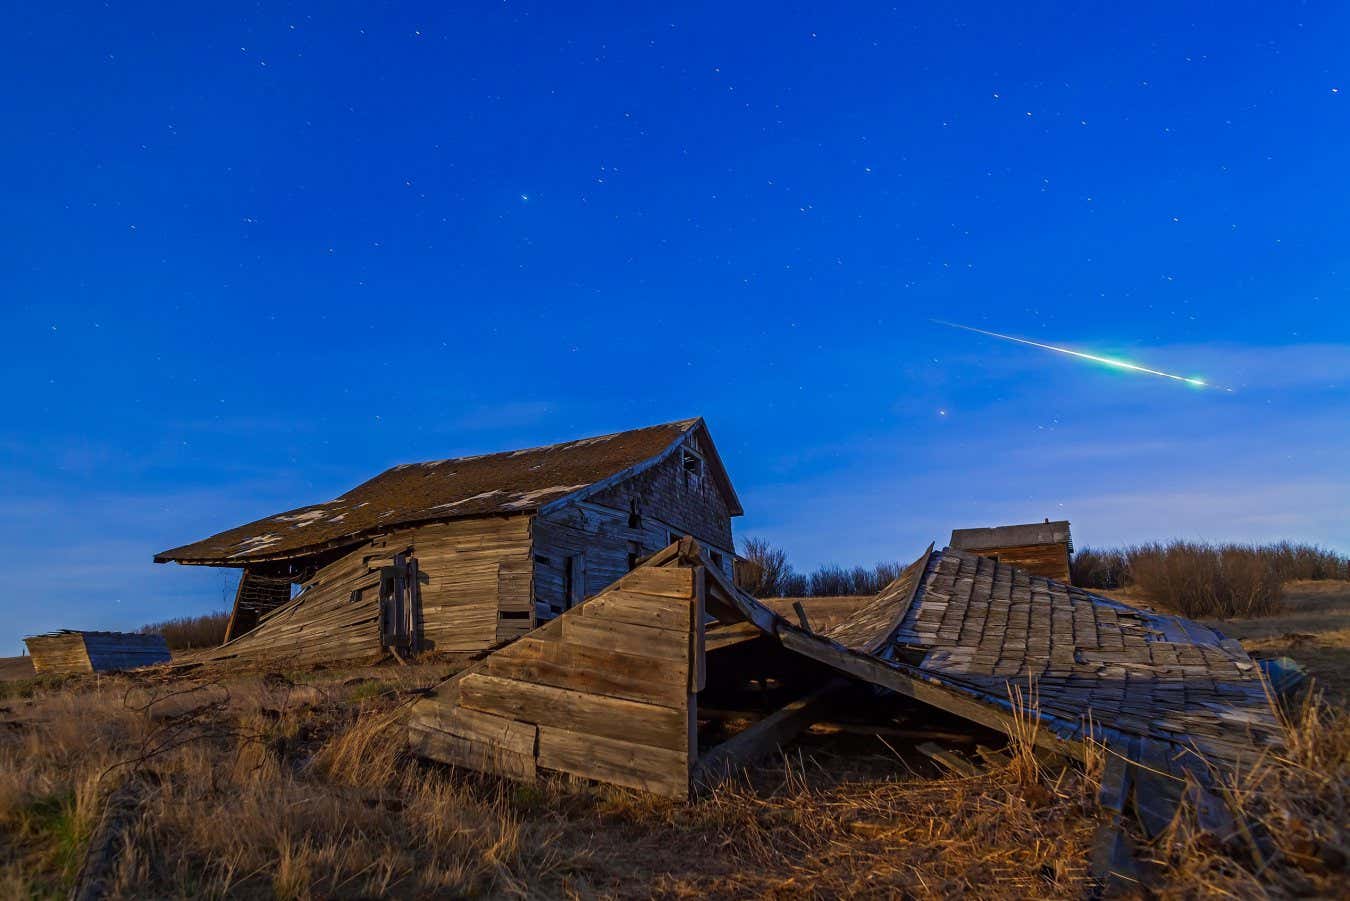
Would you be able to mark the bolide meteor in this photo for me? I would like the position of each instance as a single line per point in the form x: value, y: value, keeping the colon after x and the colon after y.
x: 1108, y: 361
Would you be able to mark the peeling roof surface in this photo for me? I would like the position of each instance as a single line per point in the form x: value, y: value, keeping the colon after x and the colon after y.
x: 1011, y: 536
x: 519, y: 481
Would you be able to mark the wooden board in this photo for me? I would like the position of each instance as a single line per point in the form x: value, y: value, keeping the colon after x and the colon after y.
x: 592, y: 670
x: 601, y: 692
x: 646, y: 724
x: 658, y: 770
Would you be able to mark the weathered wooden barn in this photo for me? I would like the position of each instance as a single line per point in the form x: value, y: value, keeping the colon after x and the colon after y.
x: 463, y: 554
x: 1042, y: 548
x: 69, y: 651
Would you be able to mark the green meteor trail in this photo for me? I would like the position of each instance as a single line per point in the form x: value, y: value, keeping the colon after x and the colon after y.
x: 1108, y: 361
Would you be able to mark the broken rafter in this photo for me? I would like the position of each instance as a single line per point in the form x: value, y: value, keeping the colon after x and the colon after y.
x: 767, y: 735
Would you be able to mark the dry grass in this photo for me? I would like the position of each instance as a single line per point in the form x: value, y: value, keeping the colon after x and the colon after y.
x: 1296, y: 806
x: 263, y: 786
x: 1199, y: 579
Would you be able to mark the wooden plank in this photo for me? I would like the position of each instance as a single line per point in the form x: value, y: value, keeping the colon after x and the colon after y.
x: 698, y: 657
x: 658, y: 770
x: 947, y: 759
x: 641, y: 609
x: 475, y: 725
x: 877, y: 672
x: 668, y: 581
x: 462, y: 752
x: 767, y: 735
x: 664, y: 644
x: 591, y: 670
x: 644, y: 724
x: 1157, y: 793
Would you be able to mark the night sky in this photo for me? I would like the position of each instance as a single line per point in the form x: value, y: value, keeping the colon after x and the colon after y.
x: 251, y: 258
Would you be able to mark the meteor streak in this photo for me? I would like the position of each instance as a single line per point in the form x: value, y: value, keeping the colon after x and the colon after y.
x: 1118, y: 364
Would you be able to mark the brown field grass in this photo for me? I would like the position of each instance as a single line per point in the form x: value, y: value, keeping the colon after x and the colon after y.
x: 297, y: 786
x: 263, y: 785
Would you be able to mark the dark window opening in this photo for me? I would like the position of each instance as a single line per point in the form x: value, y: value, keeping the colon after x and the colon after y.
x: 634, y: 555
x: 634, y: 514
x: 692, y: 464
x: 513, y: 614
x: 538, y: 558
x: 717, y: 560
x: 574, y: 581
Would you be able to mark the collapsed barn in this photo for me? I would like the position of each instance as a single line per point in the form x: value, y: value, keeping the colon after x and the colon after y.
x: 460, y: 555
x: 612, y: 690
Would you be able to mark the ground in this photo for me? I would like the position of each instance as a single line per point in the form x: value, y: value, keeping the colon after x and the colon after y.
x: 295, y: 784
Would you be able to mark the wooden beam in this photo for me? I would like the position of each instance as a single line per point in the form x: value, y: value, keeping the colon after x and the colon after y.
x: 878, y: 672
x: 947, y: 760
x: 767, y: 735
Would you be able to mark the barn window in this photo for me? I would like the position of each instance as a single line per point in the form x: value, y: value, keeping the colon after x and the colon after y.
x: 717, y: 559
x: 692, y: 464
x: 634, y: 514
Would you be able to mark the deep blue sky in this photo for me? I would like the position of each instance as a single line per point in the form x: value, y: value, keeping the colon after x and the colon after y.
x: 252, y: 257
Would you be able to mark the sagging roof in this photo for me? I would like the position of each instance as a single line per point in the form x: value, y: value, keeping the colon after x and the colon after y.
x: 1047, y: 532
x: 965, y: 632
x: 519, y: 481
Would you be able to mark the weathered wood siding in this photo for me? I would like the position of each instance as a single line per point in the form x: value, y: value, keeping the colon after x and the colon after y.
x: 471, y: 571
x: 604, y: 692
x: 334, y: 619
x: 610, y: 530
x: 689, y: 506
x: 1049, y: 560
x: 95, y: 652
x: 60, y: 653
x: 476, y: 581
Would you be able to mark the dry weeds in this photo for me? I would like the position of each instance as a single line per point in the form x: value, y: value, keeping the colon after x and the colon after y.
x: 268, y: 787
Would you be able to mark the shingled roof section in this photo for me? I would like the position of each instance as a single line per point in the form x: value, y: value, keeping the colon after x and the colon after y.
x: 519, y: 481
x: 1012, y: 536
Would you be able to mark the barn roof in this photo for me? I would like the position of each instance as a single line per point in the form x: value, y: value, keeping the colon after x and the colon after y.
x: 1012, y: 536
x: 519, y: 481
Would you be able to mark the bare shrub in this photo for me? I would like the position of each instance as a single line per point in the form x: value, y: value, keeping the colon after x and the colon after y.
x: 1207, y: 580
x: 1202, y: 579
x: 774, y: 568
x: 206, y: 631
x: 1100, y: 568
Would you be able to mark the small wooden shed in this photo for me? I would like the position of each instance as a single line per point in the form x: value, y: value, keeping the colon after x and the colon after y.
x: 68, y: 651
x: 1041, y: 548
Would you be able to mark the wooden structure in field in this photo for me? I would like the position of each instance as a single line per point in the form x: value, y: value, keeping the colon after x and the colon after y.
x: 1041, y: 548
x: 610, y: 690
x: 464, y: 554
x: 605, y: 691
x: 69, y: 651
